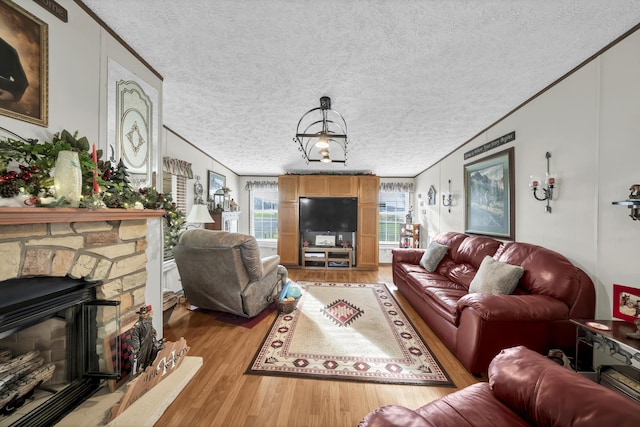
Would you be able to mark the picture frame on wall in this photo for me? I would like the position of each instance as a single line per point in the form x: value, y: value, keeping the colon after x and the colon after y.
x: 24, y: 59
x: 215, y: 182
x: 134, y: 123
x: 626, y: 303
x: 490, y: 195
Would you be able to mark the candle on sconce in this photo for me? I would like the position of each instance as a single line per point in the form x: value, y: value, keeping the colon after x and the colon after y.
x: 94, y: 156
x: 551, y: 180
x: 534, y: 182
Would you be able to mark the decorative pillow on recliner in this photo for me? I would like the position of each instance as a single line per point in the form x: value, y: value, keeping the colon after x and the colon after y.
x: 433, y: 255
x: 495, y: 277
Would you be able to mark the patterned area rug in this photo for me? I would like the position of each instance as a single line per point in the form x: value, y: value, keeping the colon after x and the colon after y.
x: 348, y: 331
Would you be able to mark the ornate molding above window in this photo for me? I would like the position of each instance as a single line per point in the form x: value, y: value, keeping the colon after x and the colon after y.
x: 261, y: 185
x: 401, y: 187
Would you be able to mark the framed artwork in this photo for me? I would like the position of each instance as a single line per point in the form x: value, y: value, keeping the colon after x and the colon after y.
x: 431, y: 195
x: 215, y: 182
x: 626, y: 303
x: 23, y: 65
x: 489, y: 196
x: 133, y: 127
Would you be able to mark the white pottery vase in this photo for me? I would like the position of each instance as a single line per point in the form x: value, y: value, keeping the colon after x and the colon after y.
x: 68, y: 177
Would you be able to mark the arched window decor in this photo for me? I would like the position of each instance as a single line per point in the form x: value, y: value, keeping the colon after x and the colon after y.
x: 261, y: 185
x: 177, y: 167
x: 401, y: 187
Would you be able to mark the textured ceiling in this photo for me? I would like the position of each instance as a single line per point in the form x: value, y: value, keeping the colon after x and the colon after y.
x: 414, y: 79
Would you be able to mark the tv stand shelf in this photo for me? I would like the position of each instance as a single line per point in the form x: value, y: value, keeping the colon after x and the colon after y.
x: 323, y: 257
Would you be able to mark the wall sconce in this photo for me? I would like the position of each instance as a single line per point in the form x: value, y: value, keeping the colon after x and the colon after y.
x: 447, y: 198
x: 549, y: 185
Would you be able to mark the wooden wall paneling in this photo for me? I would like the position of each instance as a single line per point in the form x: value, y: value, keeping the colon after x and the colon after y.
x: 343, y: 186
x: 368, y: 212
x: 367, y: 237
x: 288, y: 234
x: 314, y: 185
x: 288, y: 188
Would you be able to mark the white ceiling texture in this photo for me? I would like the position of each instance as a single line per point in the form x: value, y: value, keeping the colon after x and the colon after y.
x: 414, y: 79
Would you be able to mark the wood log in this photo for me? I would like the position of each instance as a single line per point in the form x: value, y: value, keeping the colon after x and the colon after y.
x: 8, y: 377
x: 23, y: 358
x: 24, y: 386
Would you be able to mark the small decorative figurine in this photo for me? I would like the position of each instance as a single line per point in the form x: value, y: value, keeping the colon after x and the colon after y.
x: 635, y: 335
x: 635, y: 191
x: 409, y: 216
x: 143, y: 341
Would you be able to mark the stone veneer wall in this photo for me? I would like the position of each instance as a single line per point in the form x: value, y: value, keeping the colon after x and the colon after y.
x: 110, y: 251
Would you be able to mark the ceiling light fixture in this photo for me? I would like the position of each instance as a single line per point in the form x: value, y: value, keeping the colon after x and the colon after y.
x: 318, y: 130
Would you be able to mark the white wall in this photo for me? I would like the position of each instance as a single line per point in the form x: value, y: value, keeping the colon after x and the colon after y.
x: 177, y: 147
x: 77, y: 99
x: 590, y: 123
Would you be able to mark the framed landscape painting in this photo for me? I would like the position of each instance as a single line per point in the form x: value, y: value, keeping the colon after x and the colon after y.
x: 24, y: 70
x: 489, y: 196
x: 215, y: 182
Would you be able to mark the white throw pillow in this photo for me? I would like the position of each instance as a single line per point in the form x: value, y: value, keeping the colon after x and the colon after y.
x: 495, y: 277
x: 432, y: 256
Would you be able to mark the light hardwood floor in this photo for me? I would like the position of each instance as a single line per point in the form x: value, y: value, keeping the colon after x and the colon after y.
x: 222, y: 395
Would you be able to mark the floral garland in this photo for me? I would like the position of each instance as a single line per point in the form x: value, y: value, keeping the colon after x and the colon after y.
x: 25, y: 171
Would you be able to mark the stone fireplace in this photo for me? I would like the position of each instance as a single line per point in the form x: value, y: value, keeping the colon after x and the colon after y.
x: 107, y: 248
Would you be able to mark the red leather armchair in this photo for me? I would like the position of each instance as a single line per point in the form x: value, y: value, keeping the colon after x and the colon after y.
x: 524, y: 389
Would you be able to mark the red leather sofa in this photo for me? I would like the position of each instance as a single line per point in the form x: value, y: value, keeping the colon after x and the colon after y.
x: 476, y: 326
x: 524, y: 389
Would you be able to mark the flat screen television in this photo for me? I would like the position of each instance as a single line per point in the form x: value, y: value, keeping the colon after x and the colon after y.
x: 338, y: 214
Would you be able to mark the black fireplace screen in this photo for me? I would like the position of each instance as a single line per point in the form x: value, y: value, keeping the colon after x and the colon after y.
x: 25, y: 302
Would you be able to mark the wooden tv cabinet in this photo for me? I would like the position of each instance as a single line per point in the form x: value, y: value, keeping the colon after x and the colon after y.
x: 364, y: 187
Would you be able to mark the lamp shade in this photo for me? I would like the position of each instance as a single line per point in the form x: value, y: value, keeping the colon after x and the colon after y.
x: 199, y: 214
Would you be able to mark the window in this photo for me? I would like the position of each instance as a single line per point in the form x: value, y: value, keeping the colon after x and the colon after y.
x: 176, y: 186
x: 264, y: 214
x: 394, y: 206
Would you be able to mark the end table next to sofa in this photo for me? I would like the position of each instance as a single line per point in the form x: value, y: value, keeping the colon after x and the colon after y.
x: 611, y: 337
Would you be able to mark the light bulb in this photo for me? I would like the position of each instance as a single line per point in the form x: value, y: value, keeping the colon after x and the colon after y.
x: 323, y: 141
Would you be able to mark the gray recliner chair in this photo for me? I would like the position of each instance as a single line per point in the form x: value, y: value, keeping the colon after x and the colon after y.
x: 223, y: 271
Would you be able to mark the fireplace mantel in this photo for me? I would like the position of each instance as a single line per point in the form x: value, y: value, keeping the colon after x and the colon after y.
x: 14, y: 216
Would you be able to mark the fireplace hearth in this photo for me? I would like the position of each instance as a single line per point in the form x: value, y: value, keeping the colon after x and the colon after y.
x: 28, y: 308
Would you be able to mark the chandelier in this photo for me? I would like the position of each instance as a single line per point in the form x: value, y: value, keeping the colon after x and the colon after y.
x: 322, y: 134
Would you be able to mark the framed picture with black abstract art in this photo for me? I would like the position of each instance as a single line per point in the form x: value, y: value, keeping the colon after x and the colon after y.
x: 23, y: 65
x: 489, y: 196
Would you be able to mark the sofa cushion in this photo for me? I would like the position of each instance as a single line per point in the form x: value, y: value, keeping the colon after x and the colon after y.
x: 433, y: 255
x: 546, y: 272
x: 495, y: 277
x: 474, y: 248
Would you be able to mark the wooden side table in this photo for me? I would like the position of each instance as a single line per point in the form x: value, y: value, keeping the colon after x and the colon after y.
x: 589, y: 334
